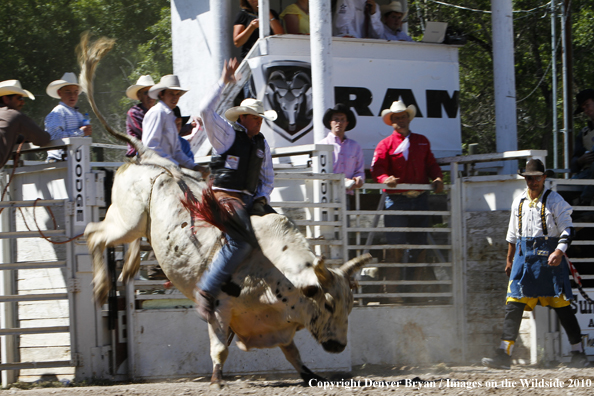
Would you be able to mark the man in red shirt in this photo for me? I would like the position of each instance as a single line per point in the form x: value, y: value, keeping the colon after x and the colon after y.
x: 405, y: 157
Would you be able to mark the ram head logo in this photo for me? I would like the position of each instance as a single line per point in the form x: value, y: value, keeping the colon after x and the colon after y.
x: 288, y: 92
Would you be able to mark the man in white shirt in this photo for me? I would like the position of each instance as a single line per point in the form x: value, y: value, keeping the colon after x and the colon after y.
x: 540, y: 231
x: 350, y: 19
x: 159, y: 131
x: 392, y: 17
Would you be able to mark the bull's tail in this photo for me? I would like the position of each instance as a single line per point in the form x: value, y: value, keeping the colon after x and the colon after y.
x: 132, y: 262
x: 89, y: 55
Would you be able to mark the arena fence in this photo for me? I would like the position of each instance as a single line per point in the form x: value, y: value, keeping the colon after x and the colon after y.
x: 111, y: 341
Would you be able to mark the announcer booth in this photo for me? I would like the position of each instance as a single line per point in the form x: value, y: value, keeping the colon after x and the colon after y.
x: 368, y: 75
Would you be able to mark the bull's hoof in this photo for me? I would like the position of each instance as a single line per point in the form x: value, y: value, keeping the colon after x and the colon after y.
x: 216, y: 381
x: 309, y: 377
x: 216, y: 385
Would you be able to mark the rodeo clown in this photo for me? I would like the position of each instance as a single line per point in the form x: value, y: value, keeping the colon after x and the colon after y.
x: 242, y: 177
x: 540, y: 231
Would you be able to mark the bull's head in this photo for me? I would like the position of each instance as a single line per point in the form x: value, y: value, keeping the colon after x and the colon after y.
x: 326, y: 290
x: 335, y: 301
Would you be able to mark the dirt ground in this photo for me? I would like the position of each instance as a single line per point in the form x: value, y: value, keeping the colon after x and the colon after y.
x: 438, y: 380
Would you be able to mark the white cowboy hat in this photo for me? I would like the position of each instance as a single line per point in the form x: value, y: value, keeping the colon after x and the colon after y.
x: 13, y: 87
x: 250, y: 106
x: 398, y: 107
x: 67, y: 79
x: 143, y: 82
x: 395, y: 6
x: 169, y: 81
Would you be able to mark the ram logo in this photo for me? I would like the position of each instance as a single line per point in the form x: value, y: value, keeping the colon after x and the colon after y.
x: 289, y: 93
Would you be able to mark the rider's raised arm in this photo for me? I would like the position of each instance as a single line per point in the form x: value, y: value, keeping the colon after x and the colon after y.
x: 219, y: 131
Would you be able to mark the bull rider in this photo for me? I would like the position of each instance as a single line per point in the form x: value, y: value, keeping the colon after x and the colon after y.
x: 242, y: 177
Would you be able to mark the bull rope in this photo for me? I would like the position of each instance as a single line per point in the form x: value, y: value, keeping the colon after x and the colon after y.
x: 39, y: 228
x: 578, y: 280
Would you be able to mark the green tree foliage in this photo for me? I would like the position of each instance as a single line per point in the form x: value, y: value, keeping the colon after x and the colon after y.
x: 533, y: 55
x: 38, y: 41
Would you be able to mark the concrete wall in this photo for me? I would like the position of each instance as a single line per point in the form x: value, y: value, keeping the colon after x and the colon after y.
x: 486, y: 286
x: 404, y: 335
x: 487, y: 201
x: 188, y: 352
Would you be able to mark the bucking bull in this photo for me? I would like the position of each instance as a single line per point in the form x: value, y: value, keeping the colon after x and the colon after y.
x: 281, y: 288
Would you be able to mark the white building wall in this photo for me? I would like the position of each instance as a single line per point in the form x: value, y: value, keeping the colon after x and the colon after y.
x: 192, y: 55
x: 194, y: 38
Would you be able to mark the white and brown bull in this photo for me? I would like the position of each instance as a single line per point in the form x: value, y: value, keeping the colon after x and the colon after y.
x: 279, y: 289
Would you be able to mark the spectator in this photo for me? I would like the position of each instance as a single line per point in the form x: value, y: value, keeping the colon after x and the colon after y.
x: 245, y: 27
x: 539, y: 233
x: 159, y: 131
x: 134, y: 117
x: 183, y: 129
x: 14, y: 125
x: 357, y: 18
x: 64, y: 120
x: 296, y: 17
x: 348, y: 155
x: 582, y: 162
x: 392, y: 17
x: 405, y: 157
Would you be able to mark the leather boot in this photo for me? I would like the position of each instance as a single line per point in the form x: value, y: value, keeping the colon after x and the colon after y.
x: 205, y: 305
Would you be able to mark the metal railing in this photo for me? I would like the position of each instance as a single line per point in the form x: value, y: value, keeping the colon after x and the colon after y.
x: 580, y: 253
x: 404, y: 273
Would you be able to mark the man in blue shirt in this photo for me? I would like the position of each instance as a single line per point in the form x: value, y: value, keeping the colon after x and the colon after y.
x: 64, y: 120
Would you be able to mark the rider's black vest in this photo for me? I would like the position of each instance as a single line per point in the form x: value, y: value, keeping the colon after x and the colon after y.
x: 239, y: 167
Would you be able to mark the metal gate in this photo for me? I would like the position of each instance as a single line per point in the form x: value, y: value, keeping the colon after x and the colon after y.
x: 45, y: 286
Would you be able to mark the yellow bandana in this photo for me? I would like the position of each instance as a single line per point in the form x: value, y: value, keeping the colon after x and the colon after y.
x: 534, y: 201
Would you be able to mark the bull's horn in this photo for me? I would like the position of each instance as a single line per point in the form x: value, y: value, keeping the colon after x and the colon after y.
x: 351, y: 266
x: 323, y: 274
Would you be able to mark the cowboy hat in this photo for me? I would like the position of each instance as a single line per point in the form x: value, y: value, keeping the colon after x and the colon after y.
x: 13, y: 87
x: 143, y: 82
x: 340, y: 108
x: 394, y: 6
x: 68, y: 78
x: 398, y: 107
x: 581, y: 97
x: 177, y: 113
x: 169, y: 81
x: 250, y: 106
x: 535, y: 167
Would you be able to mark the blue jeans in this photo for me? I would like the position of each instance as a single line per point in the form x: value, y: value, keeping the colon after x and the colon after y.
x: 401, y: 202
x: 231, y: 255
x: 588, y: 191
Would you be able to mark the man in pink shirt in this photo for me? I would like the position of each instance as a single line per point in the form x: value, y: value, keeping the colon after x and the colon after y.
x: 405, y: 157
x: 348, y: 155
